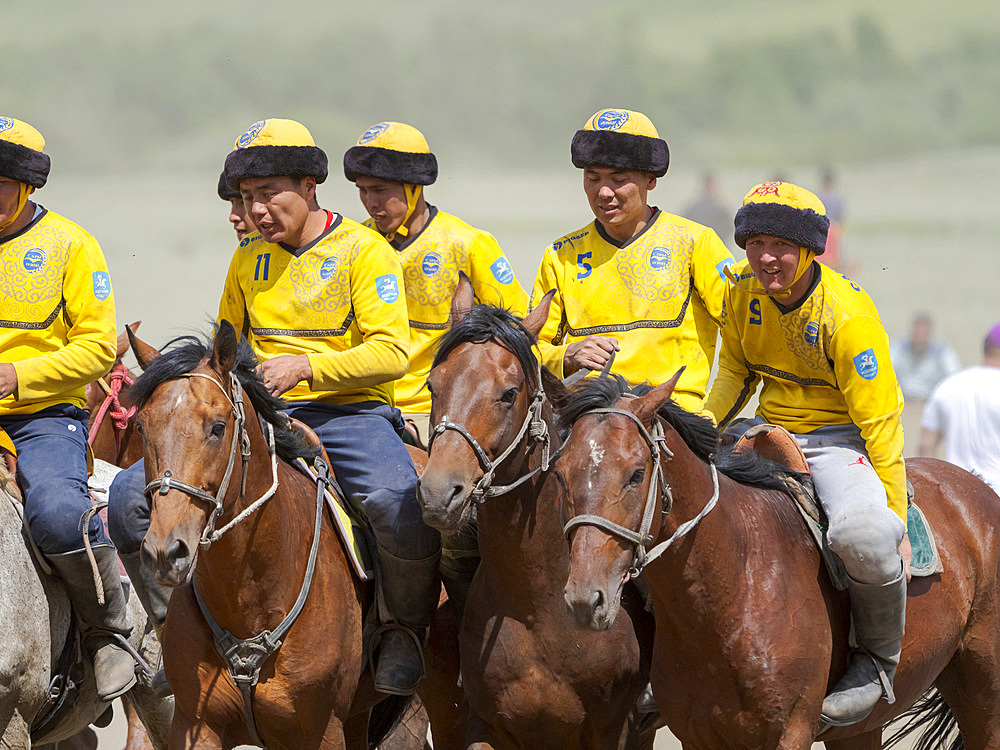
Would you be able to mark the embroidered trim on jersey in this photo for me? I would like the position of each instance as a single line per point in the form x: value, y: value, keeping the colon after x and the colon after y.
x: 24, y: 326
x: 430, y: 326
x: 308, y: 333
x: 618, y: 327
x: 764, y: 369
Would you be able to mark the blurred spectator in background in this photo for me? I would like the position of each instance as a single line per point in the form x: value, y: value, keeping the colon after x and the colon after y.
x: 709, y: 209
x: 834, y: 202
x: 921, y: 362
x: 964, y: 410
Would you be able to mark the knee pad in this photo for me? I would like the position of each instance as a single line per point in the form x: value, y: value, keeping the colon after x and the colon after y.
x: 867, y: 541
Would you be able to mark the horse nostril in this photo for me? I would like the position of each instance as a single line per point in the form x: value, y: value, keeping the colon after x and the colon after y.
x: 597, y: 600
x: 178, y: 552
x: 146, y: 556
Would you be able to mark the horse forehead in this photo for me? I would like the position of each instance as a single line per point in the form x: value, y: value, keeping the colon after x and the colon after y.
x: 606, y: 440
x: 479, y: 365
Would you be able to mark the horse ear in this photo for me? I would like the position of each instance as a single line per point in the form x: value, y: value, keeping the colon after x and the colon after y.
x: 224, y: 348
x: 645, y: 407
x: 557, y: 393
x: 123, y: 344
x: 144, y: 353
x: 462, y: 300
x: 534, y: 320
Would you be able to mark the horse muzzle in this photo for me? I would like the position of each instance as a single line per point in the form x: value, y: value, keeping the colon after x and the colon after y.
x: 171, y: 559
x: 444, y: 501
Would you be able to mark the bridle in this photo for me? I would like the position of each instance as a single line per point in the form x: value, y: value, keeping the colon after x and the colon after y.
x: 241, y: 439
x: 534, y: 426
x: 659, y: 490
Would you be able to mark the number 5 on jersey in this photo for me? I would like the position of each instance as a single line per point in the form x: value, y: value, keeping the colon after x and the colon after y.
x: 585, y: 268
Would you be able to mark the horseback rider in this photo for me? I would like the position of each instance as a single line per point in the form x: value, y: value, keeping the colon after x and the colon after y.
x: 652, y: 280
x: 318, y: 296
x: 390, y: 164
x: 58, y: 334
x: 237, y: 211
x: 814, y: 338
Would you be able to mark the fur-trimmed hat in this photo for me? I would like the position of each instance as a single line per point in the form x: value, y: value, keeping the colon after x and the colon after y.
x: 621, y: 139
x: 21, y: 156
x: 275, y: 148
x: 392, y: 151
x: 226, y: 192
x: 781, y: 209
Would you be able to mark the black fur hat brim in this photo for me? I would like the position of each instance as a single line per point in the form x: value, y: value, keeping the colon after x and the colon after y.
x: 803, y: 226
x: 275, y: 161
x: 226, y: 192
x: 24, y: 164
x: 609, y: 148
x: 386, y: 164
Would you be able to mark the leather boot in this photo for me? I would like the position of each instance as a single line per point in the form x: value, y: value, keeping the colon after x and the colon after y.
x: 154, y: 597
x: 879, y: 614
x: 459, y: 561
x: 410, y: 593
x: 114, y: 667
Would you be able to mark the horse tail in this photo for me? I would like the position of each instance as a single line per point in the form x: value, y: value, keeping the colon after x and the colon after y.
x: 932, y: 717
x: 385, y: 716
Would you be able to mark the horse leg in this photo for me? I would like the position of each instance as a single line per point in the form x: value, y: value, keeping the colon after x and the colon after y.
x: 970, y: 685
x: 184, y: 735
x: 868, y: 741
x: 352, y: 733
x: 477, y: 735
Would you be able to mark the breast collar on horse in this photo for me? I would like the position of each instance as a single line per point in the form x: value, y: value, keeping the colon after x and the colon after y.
x: 656, y: 441
x: 244, y: 657
x: 534, y: 425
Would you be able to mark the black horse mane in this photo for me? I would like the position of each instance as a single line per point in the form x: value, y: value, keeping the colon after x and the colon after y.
x: 184, y: 353
x: 698, y: 432
x: 487, y: 323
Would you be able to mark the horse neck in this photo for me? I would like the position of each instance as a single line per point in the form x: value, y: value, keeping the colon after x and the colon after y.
x: 520, y: 533
x: 255, y: 569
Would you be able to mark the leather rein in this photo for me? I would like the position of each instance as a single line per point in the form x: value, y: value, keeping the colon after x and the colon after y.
x: 659, y: 490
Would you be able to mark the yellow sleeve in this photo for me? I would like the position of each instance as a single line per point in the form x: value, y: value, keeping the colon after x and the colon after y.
x: 735, y: 383
x: 380, y: 315
x: 91, y: 343
x: 860, y: 353
x: 550, y: 339
x: 493, y: 279
x: 708, y: 263
x: 233, y: 305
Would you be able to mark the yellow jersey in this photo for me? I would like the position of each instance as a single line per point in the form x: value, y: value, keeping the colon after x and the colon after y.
x: 338, y: 300
x: 431, y: 260
x: 58, y: 313
x: 659, y: 294
x: 824, y: 361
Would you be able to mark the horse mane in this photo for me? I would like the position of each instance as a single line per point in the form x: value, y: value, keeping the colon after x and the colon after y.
x: 184, y: 353
x: 485, y: 323
x: 697, y: 432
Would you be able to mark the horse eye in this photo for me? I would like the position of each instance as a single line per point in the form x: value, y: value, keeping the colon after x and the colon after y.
x: 509, y: 395
x: 636, y: 479
x: 138, y: 427
x: 218, y: 429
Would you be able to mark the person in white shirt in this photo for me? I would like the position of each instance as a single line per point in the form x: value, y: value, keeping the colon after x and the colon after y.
x: 964, y: 412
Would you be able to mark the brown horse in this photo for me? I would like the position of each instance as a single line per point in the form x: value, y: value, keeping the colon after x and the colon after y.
x: 532, y: 680
x: 112, y: 433
x: 315, y: 690
x: 750, y: 633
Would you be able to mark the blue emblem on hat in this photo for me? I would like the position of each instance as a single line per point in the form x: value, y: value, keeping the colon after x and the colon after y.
x: 34, y: 259
x: 866, y: 364
x: 372, y: 133
x: 659, y: 258
x: 431, y: 264
x: 328, y: 268
x: 102, y: 285
x: 387, y: 288
x: 6, y: 122
x: 811, y: 334
x: 610, y: 119
x: 502, y: 271
x: 247, y: 138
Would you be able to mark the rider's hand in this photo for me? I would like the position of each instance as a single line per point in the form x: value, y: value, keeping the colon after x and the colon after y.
x: 593, y: 353
x: 282, y: 373
x: 8, y: 379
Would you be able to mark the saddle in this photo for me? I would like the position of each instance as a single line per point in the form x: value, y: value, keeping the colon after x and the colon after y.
x: 775, y: 443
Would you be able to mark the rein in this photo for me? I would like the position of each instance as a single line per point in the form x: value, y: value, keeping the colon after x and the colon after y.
x: 641, y: 557
x: 534, y: 426
x: 112, y: 406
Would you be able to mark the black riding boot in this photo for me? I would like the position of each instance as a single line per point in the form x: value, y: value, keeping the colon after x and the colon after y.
x: 154, y: 597
x: 114, y: 667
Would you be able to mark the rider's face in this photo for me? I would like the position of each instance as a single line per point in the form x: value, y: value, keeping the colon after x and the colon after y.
x: 384, y: 201
x: 279, y: 206
x: 773, y: 261
x: 239, y: 219
x: 10, y: 191
x: 618, y: 199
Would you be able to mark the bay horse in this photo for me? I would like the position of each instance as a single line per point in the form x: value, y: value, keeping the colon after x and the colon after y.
x: 112, y: 432
x: 531, y: 678
x: 315, y: 690
x: 750, y: 633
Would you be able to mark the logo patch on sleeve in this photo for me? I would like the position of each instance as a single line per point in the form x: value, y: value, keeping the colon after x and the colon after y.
x: 502, y: 271
x: 721, y: 267
x: 102, y: 285
x: 866, y: 364
x: 387, y: 288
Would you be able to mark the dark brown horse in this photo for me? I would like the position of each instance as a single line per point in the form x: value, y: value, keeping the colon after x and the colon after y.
x: 750, y: 634
x: 112, y: 432
x: 315, y: 690
x: 531, y: 678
